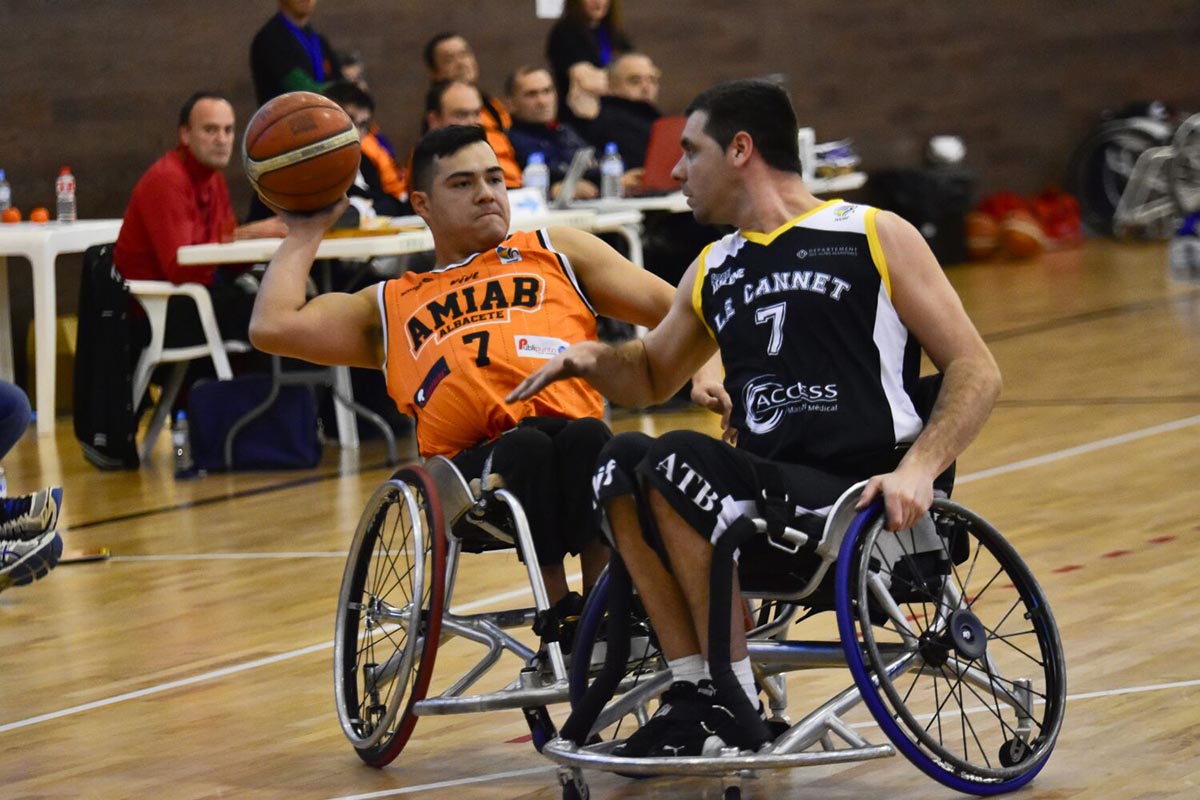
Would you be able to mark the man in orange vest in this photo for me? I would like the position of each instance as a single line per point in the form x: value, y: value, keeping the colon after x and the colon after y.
x: 454, y: 341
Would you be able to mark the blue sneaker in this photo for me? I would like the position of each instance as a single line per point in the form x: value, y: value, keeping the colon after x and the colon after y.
x: 30, y: 515
x: 24, y: 561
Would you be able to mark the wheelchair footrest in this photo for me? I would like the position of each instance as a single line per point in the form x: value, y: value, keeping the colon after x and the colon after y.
x: 599, y: 757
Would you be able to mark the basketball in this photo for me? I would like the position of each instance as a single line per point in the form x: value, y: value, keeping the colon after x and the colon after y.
x: 301, y: 151
x: 983, y: 236
x: 1021, y: 235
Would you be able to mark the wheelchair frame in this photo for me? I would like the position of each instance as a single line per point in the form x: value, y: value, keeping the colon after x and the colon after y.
x: 445, y: 502
x: 379, y: 701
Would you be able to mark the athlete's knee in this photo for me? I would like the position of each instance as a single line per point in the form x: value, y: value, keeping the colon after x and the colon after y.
x: 616, y: 466
x: 585, y: 436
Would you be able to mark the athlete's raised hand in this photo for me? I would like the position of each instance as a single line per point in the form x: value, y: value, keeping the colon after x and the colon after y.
x: 578, y: 360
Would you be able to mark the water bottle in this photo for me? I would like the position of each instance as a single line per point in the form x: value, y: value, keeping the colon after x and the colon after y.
x: 185, y: 467
x: 537, y: 174
x: 64, y: 190
x: 612, y: 170
x: 5, y: 192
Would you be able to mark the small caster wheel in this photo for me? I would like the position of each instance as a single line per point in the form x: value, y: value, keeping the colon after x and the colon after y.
x: 1014, y: 751
x: 574, y: 787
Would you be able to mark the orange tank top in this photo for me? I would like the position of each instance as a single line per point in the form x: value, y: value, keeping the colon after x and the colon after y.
x: 460, y: 338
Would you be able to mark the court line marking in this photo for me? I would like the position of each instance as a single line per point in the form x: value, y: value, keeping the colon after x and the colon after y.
x: 1082, y: 449
x: 244, y: 556
x: 1071, y: 698
x: 232, y: 670
x: 151, y: 690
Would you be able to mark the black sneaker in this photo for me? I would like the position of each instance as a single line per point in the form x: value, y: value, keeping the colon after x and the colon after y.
x: 689, y: 722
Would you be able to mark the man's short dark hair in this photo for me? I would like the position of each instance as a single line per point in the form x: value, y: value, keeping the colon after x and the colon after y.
x: 439, y: 144
x: 432, y: 45
x: 185, y: 113
x: 510, y: 83
x: 758, y: 107
x: 433, y: 97
x: 345, y: 93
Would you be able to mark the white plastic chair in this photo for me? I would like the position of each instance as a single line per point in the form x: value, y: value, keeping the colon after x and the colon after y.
x: 154, y: 296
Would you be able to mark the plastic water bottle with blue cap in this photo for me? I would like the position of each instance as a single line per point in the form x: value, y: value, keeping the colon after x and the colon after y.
x: 612, y: 171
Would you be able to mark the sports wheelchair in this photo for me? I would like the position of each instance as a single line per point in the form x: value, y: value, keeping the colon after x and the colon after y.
x: 394, y: 613
x: 948, y: 638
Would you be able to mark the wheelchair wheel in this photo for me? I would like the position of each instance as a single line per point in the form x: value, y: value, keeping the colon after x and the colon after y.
x: 1185, y: 166
x: 389, y: 616
x: 644, y: 660
x: 953, y: 646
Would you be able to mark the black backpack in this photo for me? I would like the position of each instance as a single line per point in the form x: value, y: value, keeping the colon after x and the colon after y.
x: 105, y: 423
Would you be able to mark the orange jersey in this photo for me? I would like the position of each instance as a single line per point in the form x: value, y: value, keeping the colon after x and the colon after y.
x: 460, y: 338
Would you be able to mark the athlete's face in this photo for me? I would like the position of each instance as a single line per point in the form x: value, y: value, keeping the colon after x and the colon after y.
x: 702, y: 171
x: 466, y: 206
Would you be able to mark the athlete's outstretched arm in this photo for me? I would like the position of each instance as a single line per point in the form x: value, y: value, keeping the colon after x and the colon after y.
x: 334, y: 328
x: 614, y: 285
x: 640, y: 372
x: 931, y: 310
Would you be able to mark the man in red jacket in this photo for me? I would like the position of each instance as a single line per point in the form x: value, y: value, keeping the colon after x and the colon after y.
x: 183, y: 199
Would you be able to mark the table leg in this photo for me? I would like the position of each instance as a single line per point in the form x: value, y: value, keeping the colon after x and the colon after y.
x: 347, y: 425
x: 6, y: 338
x: 45, y: 327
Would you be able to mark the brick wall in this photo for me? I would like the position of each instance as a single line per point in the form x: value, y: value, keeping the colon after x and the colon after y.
x: 98, y: 84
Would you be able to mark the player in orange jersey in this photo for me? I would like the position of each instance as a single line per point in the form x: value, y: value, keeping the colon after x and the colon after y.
x: 454, y: 341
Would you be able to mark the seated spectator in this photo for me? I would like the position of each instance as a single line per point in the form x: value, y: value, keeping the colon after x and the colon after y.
x: 378, y: 176
x: 183, y: 199
x: 458, y: 102
x: 354, y: 70
x: 29, y: 544
x: 625, y: 114
x: 449, y: 57
x: 287, y: 55
x: 536, y: 129
x: 589, y: 31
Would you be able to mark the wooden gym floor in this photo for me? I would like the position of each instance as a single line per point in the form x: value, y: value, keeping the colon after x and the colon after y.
x: 196, y: 662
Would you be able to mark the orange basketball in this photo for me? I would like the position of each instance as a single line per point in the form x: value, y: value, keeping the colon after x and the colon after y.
x: 11, y: 214
x: 39, y: 214
x: 301, y: 151
x: 1021, y: 235
x: 983, y: 236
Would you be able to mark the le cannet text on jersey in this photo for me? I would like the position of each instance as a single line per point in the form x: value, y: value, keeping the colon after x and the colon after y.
x: 800, y: 280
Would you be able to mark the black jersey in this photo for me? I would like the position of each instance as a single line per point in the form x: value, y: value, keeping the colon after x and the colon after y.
x: 818, y: 364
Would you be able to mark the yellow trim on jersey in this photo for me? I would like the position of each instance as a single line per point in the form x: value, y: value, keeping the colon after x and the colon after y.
x: 767, y: 238
x: 701, y: 272
x: 877, y: 251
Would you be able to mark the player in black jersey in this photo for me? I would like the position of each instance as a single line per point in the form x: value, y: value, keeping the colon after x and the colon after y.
x: 820, y: 312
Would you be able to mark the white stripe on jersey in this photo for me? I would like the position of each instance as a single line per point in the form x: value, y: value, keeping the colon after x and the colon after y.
x: 721, y: 249
x: 890, y: 337
x: 383, y: 316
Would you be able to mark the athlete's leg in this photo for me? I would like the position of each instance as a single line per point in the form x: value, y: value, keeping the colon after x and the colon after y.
x: 618, y: 491
x: 524, y: 458
x: 691, y: 565
x: 577, y: 447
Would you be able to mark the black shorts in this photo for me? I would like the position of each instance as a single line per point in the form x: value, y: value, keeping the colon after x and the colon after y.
x: 710, y: 484
x: 547, y: 463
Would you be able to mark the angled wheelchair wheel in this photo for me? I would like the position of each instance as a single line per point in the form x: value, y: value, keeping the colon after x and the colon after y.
x: 389, y: 615
x: 953, y: 646
x: 621, y: 716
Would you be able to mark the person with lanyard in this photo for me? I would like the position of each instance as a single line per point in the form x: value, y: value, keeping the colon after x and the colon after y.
x: 287, y: 55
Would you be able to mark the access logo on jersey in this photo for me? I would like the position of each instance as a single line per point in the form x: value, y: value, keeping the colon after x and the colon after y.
x: 844, y: 212
x: 508, y: 255
x: 438, y: 373
x: 539, y: 346
x: 767, y: 400
x: 481, y: 302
